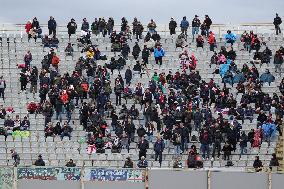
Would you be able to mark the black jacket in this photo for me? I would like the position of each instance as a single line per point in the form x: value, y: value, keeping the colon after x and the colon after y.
x: 72, y: 26
x: 39, y: 162
x: 143, y: 146
x: 52, y: 24
x: 172, y: 24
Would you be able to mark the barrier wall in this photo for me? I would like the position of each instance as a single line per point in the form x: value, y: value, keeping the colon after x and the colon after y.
x: 277, y: 181
x: 236, y: 180
x: 89, y: 178
x: 168, y: 179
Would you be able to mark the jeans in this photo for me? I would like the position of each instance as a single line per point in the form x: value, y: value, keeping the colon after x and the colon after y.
x: 150, y: 138
x: 184, y: 145
x: 278, y: 30
x: 167, y: 143
x: 195, y: 30
x: 159, y: 155
x: 52, y: 31
x: 278, y: 68
x: 68, y: 115
x: 243, y: 150
x: 205, y: 149
x: 65, y: 134
x: 151, y: 31
x: 159, y: 60
x: 2, y: 93
x: 212, y: 46
x: 218, y: 147
x: 59, y: 116
x: 118, y: 99
x: 177, y: 149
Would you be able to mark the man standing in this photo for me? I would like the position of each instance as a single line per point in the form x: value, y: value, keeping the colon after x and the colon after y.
x: 159, y: 147
x: 172, y: 26
x: 72, y: 26
x: 2, y: 87
x: 143, y: 145
x: 195, y: 26
x: 184, y: 26
x: 15, y: 157
x: 277, y: 21
x: 52, y: 26
x: 208, y: 23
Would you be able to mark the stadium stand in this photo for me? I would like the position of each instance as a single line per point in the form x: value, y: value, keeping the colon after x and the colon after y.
x: 187, y: 104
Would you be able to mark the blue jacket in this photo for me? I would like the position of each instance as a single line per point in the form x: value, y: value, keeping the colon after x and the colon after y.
x: 267, y: 77
x: 51, y: 24
x: 239, y: 77
x: 159, y: 53
x: 230, y: 36
x: 184, y: 24
x: 224, y: 68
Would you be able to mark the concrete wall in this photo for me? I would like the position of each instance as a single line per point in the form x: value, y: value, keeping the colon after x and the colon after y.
x: 237, y: 180
x: 169, y: 179
x: 277, y: 181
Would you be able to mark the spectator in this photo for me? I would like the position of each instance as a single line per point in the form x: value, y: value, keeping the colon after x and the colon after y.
x: 277, y: 21
x: 208, y: 23
x: 118, y: 91
x: 243, y: 143
x: 39, y: 161
x: 273, y: 162
x: 257, y: 164
x: 110, y: 25
x: 69, y: 50
x: 172, y: 26
x: 227, y: 149
x: 159, y: 147
x: 211, y: 41
x: 28, y: 27
x: 199, y: 41
x: 143, y: 163
x: 2, y: 88
x: 278, y: 61
x: 49, y: 130
x: 230, y: 37
x: 52, y: 26
x: 145, y: 55
x: 66, y: 131
x: 85, y: 26
x: 70, y: 163
x: 25, y: 124
x: 136, y: 51
x: 191, y: 159
x: 143, y: 145
x: 27, y: 59
x: 128, y: 163
x: 184, y: 26
x: 15, y: 157
x: 152, y: 26
x: 195, y: 26
x: 159, y: 53
x: 72, y: 27
x: 2, y: 112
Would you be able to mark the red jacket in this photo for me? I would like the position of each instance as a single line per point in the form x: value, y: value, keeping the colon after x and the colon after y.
x: 211, y: 38
x: 28, y: 27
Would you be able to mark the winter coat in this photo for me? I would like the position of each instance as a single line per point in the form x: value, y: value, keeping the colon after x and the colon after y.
x: 52, y: 24
x: 184, y: 24
x: 159, y: 53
